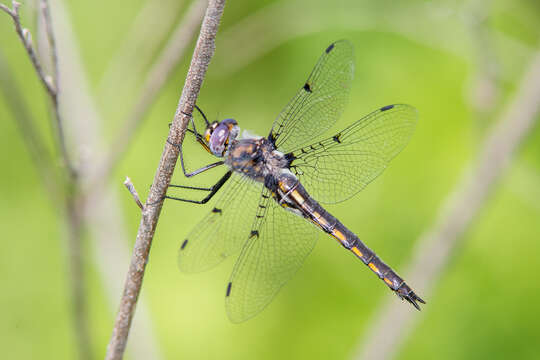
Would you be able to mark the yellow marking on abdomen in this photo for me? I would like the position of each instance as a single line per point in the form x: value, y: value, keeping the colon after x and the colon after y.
x: 339, y: 235
x: 373, y: 267
x: 321, y: 222
x: 388, y: 282
x: 297, y: 197
x: 356, y: 251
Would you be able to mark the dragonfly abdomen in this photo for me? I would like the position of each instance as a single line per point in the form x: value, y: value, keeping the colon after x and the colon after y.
x: 291, y: 194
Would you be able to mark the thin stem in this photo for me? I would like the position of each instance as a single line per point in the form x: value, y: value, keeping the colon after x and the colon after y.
x: 70, y: 193
x: 131, y: 188
x: 102, y: 215
x: 50, y: 85
x: 202, y: 55
x: 78, y: 276
x: 44, y: 4
x: 438, y: 244
x: 26, y: 39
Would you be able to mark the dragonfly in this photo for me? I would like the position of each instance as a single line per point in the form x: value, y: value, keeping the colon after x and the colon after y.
x: 269, y: 210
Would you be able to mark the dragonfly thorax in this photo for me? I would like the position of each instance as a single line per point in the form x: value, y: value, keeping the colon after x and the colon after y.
x: 255, y: 158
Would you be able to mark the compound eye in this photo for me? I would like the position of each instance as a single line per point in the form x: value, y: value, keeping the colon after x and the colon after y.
x: 229, y: 122
x: 218, y: 139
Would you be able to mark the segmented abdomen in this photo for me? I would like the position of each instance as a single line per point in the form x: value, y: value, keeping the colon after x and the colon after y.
x: 291, y: 194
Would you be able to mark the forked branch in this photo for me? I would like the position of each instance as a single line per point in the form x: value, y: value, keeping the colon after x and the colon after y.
x: 50, y: 83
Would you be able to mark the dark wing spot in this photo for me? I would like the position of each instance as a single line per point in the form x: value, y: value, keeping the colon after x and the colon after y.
x: 216, y: 210
x: 387, y: 107
x: 329, y: 48
x: 307, y: 87
x: 336, y: 138
x: 184, y: 244
x: 229, y: 289
x: 290, y: 158
x: 254, y: 233
x: 272, y: 138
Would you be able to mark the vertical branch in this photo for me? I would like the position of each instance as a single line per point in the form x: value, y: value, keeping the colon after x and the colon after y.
x: 203, y: 52
x: 78, y: 276
x: 102, y: 216
x: 44, y: 4
x: 437, y: 245
x: 71, y: 193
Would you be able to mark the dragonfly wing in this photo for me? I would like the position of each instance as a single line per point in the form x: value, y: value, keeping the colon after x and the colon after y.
x: 223, y: 231
x: 319, y: 102
x: 277, y: 246
x: 338, y: 167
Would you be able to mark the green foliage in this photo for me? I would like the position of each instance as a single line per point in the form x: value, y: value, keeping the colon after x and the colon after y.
x: 422, y: 53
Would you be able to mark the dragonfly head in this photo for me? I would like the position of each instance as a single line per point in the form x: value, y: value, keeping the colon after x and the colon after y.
x: 219, y: 135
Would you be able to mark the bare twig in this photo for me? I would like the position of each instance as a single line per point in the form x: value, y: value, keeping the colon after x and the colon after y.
x: 26, y: 39
x: 78, y: 276
x: 56, y: 81
x: 74, y: 206
x: 202, y: 54
x: 102, y: 214
x: 436, y: 246
x: 154, y: 81
x: 131, y: 188
x: 69, y: 193
x: 50, y: 85
x: 44, y: 4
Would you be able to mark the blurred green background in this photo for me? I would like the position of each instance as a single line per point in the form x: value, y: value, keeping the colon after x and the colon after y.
x: 458, y: 62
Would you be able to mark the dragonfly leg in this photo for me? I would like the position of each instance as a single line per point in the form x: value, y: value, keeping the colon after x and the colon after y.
x: 212, y: 190
x: 198, y: 171
x: 200, y: 139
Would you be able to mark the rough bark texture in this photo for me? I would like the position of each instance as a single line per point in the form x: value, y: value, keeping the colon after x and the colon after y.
x: 203, y: 52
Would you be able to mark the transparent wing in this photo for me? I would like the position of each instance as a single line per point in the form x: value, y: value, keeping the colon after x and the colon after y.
x: 319, y: 102
x: 277, y: 247
x: 224, y: 230
x: 338, y: 167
